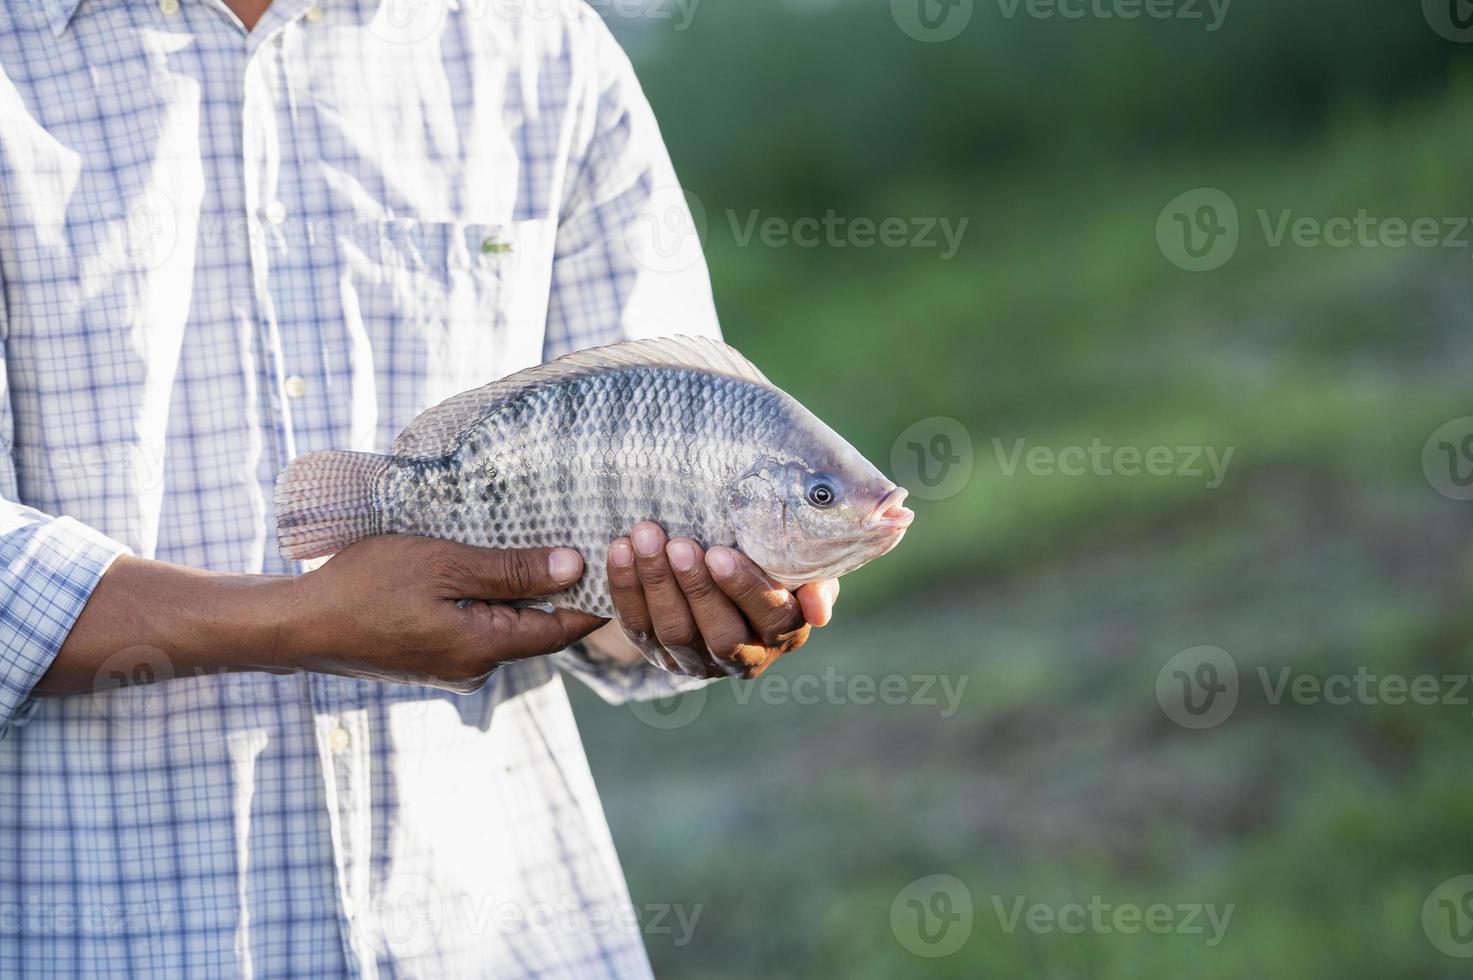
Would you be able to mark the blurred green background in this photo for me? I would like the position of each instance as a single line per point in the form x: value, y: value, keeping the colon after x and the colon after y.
x: 1023, y: 748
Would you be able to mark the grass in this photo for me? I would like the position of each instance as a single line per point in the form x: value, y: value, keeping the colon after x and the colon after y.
x: 1049, y: 603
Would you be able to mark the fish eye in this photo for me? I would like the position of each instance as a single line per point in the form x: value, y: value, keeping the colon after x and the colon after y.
x: 821, y: 494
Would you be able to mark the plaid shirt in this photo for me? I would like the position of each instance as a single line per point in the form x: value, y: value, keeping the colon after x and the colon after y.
x: 219, y: 250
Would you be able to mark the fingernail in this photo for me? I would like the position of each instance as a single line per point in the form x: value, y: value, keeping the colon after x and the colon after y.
x: 620, y: 553
x: 682, y: 555
x: 646, y: 541
x: 564, y: 565
x: 721, y: 561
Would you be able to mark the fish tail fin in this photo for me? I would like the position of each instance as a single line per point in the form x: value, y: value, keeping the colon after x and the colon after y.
x: 325, y: 502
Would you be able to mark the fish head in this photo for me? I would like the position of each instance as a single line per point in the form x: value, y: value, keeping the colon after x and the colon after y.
x: 817, y: 513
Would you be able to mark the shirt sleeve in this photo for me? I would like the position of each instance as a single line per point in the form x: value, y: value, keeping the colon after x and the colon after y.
x: 628, y: 259
x: 48, y: 569
x: 628, y: 264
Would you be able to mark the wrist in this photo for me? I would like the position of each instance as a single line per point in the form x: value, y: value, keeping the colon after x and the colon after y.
x: 294, y: 638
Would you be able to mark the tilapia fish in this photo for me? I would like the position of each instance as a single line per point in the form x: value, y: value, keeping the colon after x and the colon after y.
x: 682, y: 431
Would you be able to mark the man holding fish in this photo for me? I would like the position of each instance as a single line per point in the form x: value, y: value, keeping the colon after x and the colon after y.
x: 242, y: 234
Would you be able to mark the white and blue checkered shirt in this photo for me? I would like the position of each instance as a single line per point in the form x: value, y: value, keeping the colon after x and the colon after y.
x: 219, y: 250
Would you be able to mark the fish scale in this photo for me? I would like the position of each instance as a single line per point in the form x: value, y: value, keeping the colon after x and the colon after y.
x: 680, y: 460
x: 573, y: 454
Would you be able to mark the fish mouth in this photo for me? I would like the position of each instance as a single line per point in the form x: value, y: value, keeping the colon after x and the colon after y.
x: 889, y: 513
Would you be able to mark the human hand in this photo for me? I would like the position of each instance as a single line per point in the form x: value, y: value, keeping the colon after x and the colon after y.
x: 393, y: 608
x: 710, y: 614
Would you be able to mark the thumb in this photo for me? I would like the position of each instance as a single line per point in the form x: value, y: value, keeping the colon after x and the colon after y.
x: 516, y: 634
x: 468, y: 572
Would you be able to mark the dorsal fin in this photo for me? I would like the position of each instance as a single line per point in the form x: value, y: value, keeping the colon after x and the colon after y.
x: 435, y: 432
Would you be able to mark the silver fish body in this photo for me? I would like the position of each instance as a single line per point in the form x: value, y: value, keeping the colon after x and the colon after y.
x: 681, y: 431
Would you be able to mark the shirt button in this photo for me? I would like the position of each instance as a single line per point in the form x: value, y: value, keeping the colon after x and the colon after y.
x: 169, y: 7
x: 296, y: 386
x: 314, y: 15
x: 275, y: 211
x: 338, y: 740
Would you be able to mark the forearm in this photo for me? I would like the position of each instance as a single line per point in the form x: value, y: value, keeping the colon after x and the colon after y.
x: 202, y: 622
x: 386, y: 608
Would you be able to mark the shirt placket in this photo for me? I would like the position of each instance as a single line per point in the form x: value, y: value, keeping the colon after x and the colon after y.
x: 296, y: 401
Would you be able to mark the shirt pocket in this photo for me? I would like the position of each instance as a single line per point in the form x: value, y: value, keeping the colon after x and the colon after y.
x: 446, y: 306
